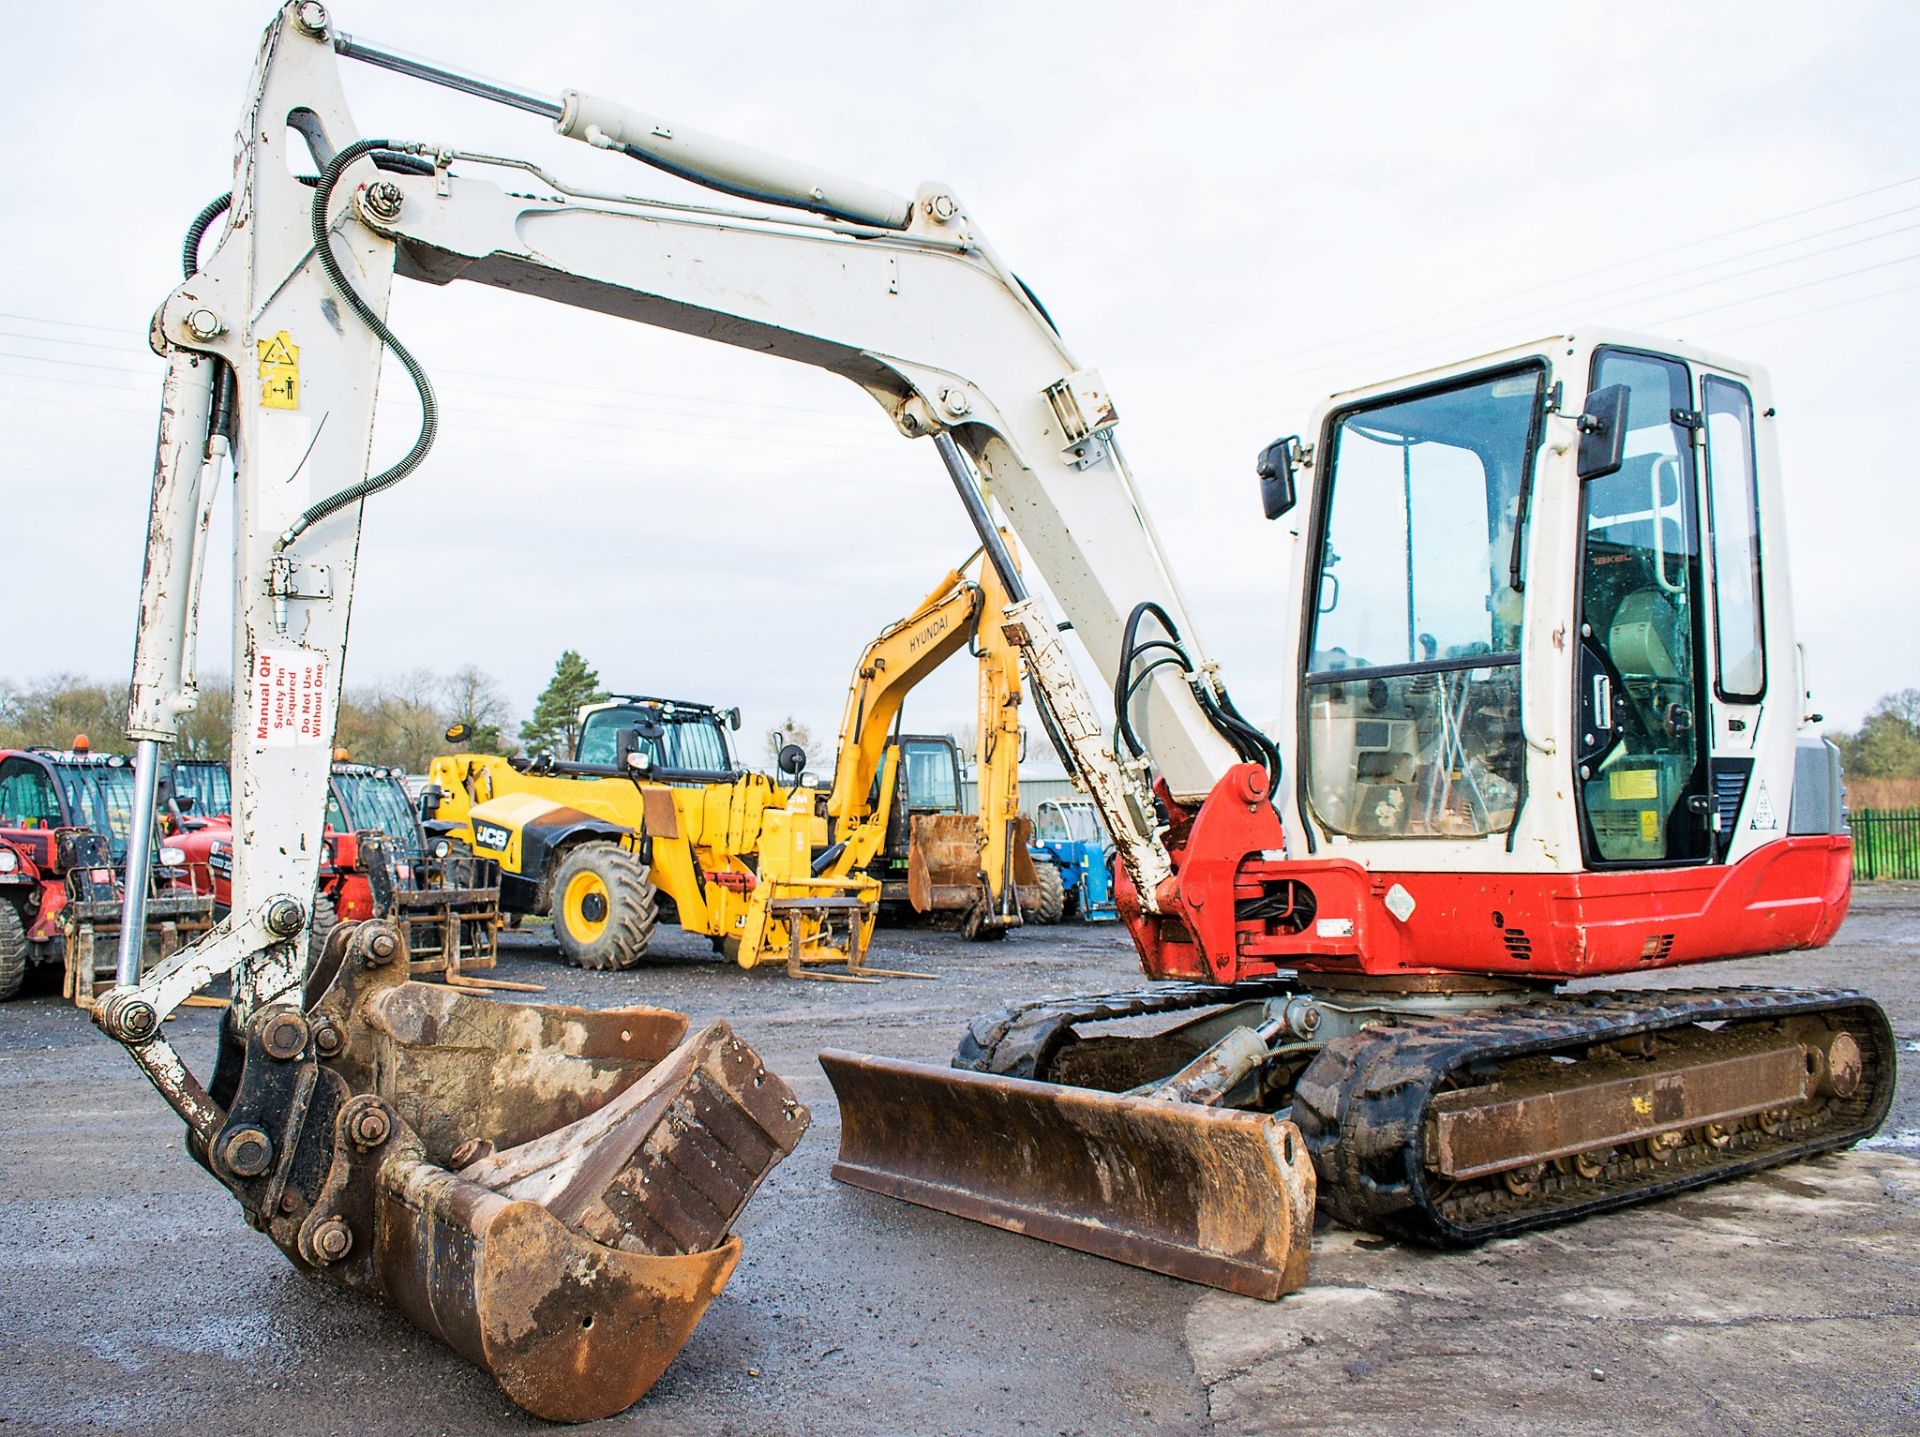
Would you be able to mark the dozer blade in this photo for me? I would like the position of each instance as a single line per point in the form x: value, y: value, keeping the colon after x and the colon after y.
x: 549, y: 1190
x: 1211, y: 1195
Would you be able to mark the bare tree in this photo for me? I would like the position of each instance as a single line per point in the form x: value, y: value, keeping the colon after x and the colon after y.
x: 400, y: 719
x: 52, y: 711
x: 472, y: 697
x: 791, y: 730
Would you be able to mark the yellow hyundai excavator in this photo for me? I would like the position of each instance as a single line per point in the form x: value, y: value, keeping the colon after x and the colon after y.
x: 1547, y: 722
x: 895, y: 797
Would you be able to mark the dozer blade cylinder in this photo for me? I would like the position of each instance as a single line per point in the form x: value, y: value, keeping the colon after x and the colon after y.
x: 1212, y: 1195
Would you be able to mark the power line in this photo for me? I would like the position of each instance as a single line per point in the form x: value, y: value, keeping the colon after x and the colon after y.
x: 518, y: 380
x: 1789, y: 289
x: 1820, y: 309
x: 1516, y: 319
x: 1580, y: 275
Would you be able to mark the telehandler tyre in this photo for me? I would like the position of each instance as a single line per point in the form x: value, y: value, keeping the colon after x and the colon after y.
x: 13, y: 951
x: 604, y: 907
x: 1053, y: 893
x: 326, y: 918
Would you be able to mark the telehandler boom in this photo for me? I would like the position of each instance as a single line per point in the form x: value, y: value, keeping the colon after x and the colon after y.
x: 1545, y: 723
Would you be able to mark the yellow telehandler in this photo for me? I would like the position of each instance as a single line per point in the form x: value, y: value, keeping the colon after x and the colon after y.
x: 653, y: 812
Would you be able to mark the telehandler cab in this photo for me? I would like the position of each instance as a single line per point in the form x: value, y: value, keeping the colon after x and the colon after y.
x: 1547, y: 722
x: 65, y: 816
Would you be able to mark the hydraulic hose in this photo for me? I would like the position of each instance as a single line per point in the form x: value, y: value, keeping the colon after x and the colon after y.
x: 429, y: 405
x: 1130, y: 649
x: 197, y: 231
x: 1247, y: 741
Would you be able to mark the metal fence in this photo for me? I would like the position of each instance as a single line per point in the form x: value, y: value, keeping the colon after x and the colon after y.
x: 1886, y: 842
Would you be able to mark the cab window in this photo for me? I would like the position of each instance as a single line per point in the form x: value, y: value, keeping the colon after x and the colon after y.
x: 1412, y: 694
x: 1638, y: 752
x: 1733, y: 510
x: 27, y: 796
x: 932, y: 781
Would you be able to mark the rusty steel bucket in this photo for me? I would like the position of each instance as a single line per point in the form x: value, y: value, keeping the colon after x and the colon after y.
x: 547, y: 1189
x: 1212, y: 1195
x: 943, y: 862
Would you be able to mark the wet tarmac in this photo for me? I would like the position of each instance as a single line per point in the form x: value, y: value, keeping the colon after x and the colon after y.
x: 136, y: 1300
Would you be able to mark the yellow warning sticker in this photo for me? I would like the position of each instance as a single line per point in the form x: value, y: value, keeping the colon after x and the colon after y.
x: 279, y: 372
x: 1649, y: 826
x: 1631, y: 783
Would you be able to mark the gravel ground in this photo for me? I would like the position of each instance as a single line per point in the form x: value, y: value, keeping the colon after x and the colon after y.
x: 137, y: 1301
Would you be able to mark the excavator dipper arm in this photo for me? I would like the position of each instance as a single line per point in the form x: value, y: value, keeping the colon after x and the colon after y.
x: 549, y: 1190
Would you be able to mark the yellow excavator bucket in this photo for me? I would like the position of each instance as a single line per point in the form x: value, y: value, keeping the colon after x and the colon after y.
x: 549, y: 1190
x: 1213, y: 1195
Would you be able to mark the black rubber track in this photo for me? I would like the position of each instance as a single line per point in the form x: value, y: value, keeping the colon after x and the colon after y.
x: 1020, y: 1039
x: 1362, y: 1103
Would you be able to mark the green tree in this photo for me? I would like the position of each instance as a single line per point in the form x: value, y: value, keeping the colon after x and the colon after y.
x: 555, y: 724
x: 1887, y: 745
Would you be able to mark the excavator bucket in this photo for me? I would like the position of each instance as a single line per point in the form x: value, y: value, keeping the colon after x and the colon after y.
x: 549, y: 1190
x: 943, y: 862
x: 1212, y: 1195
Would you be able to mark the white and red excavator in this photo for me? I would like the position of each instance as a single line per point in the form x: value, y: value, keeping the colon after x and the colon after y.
x: 1545, y: 721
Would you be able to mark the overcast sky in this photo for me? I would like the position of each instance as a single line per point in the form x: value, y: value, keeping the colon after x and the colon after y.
x: 1230, y: 210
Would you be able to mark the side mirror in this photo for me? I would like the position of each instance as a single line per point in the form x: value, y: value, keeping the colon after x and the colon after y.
x: 1275, y: 468
x: 459, y: 732
x: 630, y: 751
x: 183, y: 802
x: 791, y: 760
x: 1603, y: 433
x: 733, y: 719
x: 430, y: 799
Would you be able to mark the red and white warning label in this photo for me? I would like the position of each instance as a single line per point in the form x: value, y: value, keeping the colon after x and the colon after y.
x: 290, y: 698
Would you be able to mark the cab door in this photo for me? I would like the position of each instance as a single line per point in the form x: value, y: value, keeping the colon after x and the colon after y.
x: 1736, y: 602
x: 1641, y: 702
